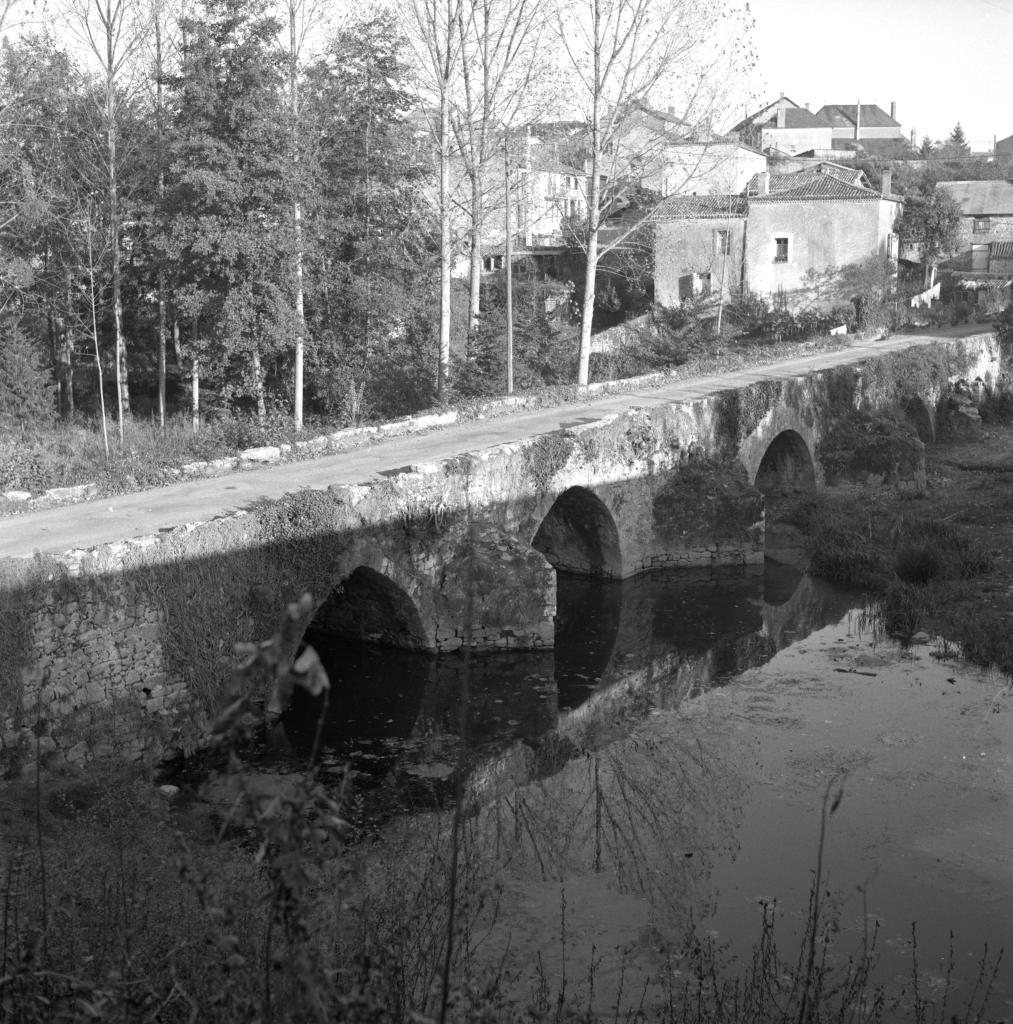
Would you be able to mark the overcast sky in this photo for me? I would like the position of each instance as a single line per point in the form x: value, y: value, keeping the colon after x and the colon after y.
x: 942, y: 61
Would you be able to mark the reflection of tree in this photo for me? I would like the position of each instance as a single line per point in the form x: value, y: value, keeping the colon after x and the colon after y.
x: 651, y: 812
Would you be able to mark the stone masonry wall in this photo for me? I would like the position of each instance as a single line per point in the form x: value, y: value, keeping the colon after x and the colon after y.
x: 124, y: 651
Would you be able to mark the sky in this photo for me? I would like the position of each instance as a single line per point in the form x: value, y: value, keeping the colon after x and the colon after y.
x: 941, y: 61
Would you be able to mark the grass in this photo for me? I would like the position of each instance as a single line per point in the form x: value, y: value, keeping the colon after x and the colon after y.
x: 922, y: 572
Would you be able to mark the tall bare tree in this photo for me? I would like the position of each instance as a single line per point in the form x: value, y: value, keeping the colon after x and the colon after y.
x: 302, y: 18
x: 501, y: 61
x: 622, y: 56
x: 434, y: 30
x: 113, y: 32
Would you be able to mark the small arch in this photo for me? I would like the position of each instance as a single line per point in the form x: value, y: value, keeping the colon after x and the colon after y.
x: 917, y: 414
x: 786, y: 467
x: 370, y: 607
x: 579, y: 535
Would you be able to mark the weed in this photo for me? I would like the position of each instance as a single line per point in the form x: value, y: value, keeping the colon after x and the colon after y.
x: 547, y: 455
x: 916, y: 563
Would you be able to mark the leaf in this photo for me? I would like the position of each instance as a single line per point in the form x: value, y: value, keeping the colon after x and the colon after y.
x: 309, y: 673
x: 229, y: 716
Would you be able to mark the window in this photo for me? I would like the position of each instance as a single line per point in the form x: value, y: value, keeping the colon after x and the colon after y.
x: 780, y: 250
x: 722, y: 242
x: 981, y: 225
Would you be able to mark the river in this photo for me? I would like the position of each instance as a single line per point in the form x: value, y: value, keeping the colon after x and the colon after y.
x: 662, y: 772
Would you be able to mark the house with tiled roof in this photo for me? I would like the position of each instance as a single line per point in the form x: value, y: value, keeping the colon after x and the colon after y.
x: 1004, y: 148
x: 770, y: 239
x: 785, y: 127
x: 857, y: 122
x: 986, y: 217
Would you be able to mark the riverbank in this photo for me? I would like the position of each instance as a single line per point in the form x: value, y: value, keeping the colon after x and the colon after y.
x: 939, y: 560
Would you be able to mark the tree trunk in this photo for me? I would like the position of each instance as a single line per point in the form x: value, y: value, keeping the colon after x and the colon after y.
x: 297, y: 414
x: 258, y: 385
x: 195, y: 394
x: 161, y: 349
x: 122, y: 381
x: 508, y: 267
x: 475, y: 270
x: 160, y: 157
x: 443, y: 374
x: 587, y: 307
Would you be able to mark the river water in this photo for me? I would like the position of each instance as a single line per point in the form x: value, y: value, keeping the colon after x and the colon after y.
x: 664, y: 768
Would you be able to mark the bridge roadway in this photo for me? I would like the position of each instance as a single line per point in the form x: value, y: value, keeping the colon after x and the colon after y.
x: 107, y: 520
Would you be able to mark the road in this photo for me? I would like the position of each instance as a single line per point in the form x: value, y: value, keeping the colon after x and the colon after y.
x: 105, y: 520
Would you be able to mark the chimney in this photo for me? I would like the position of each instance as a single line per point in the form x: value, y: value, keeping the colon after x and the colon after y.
x: 887, y: 182
x: 914, y: 143
x: 858, y: 120
x: 763, y: 183
x: 893, y: 109
x: 807, y: 104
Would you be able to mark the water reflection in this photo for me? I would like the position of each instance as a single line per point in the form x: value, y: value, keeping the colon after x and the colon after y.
x: 622, y: 649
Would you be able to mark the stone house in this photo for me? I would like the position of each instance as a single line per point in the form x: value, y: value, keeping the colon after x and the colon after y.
x: 1004, y: 148
x: 815, y: 220
x: 785, y: 127
x: 666, y: 155
x: 858, y: 122
x: 986, y: 216
x: 784, y: 227
x: 699, y: 247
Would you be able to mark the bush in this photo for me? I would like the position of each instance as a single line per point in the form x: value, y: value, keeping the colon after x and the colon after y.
x: 917, y: 564
x: 863, y: 444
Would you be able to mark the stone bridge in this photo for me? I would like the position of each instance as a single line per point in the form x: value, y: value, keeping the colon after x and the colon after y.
x: 123, y: 649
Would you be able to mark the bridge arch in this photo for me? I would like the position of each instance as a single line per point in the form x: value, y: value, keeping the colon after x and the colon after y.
x: 579, y: 534
x: 786, y: 467
x: 369, y: 606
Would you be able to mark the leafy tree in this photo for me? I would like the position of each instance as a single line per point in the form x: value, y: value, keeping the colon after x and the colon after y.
x: 228, y: 198
x: 956, y: 144
x: 931, y: 221
x: 373, y: 277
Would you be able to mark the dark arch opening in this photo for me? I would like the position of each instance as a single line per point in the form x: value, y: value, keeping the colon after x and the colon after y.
x: 375, y: 694
x: 579, y: 535
x: 368, y: 607
x: 786, y: 467
x: 917, y: 414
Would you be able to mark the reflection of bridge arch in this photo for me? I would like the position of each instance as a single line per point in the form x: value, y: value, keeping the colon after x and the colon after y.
x: 917, y: 414
x: 786, y: 467
x: 579, y: 534
x: 366, y: 605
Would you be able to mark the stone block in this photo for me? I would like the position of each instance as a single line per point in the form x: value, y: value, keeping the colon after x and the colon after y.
x: 18, y: 496
x: 76, y: 493
x: 267, y: 453
x: 77, y: 753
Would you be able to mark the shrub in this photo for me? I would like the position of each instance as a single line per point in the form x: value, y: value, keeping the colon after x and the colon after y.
x: 26, y: 388
x: 916, y: 563
x: 863, y: 443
